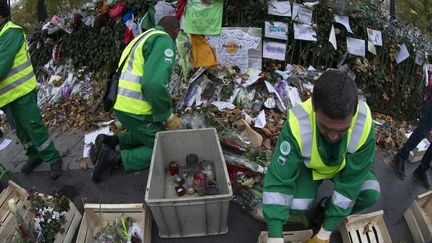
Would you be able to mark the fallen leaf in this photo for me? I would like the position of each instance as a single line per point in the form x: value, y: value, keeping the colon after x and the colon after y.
x: 267, y: 143
x: 66, y: 153
x: 83, y: 165
x: 387, y: 161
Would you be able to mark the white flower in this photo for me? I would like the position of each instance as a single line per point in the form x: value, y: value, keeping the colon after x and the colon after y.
x: 12, y: 205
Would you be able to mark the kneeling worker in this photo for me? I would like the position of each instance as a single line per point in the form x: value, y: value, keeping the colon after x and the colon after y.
x: 143, y: 103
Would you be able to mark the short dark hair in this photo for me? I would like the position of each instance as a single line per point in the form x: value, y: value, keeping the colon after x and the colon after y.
x: 169, y: 23
x: 335, y: 94
x: 4, y: 9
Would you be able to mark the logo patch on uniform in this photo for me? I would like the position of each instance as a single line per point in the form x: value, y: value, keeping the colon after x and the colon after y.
x: 281, y: 160
x: 169, y: 53
x: 168, y: 60
x: 285, y: 148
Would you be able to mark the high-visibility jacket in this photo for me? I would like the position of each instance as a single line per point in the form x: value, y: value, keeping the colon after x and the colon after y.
x: 302, y: 122
x: 21, y: 79
x: 130, y: 97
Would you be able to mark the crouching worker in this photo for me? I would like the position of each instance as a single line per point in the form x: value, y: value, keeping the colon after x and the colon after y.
x: 330, y: 136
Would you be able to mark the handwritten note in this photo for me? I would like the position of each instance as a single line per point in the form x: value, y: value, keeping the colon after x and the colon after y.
x: 274, y: 50
x: 275, y: 29
x: 279, y: 8
x: 356, y: 47
x: 301, y: 14
x: 304, y: 32
x: 343, y: 20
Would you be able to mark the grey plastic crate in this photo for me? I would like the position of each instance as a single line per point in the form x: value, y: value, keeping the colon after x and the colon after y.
x: 188, y: 216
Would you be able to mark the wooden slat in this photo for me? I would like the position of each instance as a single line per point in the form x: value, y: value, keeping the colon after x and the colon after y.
x: 147, y: 225
x: 413, y: 226
x: 289, y: 236
x: 82, y: 228
x: 421, y: 219
x: 73, y: 218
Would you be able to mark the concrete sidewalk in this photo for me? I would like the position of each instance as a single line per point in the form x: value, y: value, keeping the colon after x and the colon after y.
x: 120, y: 187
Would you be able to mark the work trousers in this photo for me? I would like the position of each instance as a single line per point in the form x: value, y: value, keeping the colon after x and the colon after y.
x: 136, y: 145
x: 422, y: 131
x: 31, y: 130
x: 306, y: 190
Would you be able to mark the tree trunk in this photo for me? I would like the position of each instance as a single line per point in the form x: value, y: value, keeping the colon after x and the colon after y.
x: 392, y: 9
x: 42, y: 14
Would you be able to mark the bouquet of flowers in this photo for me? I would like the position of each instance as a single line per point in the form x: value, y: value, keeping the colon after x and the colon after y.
x: 48, y: 216
x: 121, y: 231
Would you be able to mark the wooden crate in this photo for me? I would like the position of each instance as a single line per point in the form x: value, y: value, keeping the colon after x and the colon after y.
x: 99, y: 215
x: 8, y: 221
x: 289, y: 236
x: 419, y: 218
x: 365, y: 228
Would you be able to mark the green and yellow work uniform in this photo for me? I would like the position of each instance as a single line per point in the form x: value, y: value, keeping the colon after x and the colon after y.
x: 303, y: 158
x: 18, y: 92
x: 143, y: 99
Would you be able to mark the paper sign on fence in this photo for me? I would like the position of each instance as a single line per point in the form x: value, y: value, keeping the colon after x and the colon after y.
x: 332, y: 37
x: 356, y: 47
x: 420, y: 58
x: 304, y: 32
x: 279, y: 8
x: 274, y: 50
x: 301, y: 14
x: 375, y: 36
x: 402, y: 54
x: 371, y: 48
x: 343, y: 20
x: 275, y: 29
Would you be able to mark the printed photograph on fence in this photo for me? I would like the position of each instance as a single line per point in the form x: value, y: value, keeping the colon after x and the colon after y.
x: 238, y: 46
x: 356, y: 47
x: 402, y: 54
x: 343, y: 20
x: 274, y: 50
x: 301, y: 14
x: 304, y: 32
x: 374, y: 36
x: 279, y: 8
x: 276, y: 30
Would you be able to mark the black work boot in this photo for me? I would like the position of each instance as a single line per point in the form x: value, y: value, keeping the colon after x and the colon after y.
x: 399, y: 167
x: 317, y: 215
x: 112, y: 141
x: 56, y: 169
x: 107, y: 158
x: 27, y: 168
x: 420, y: 176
